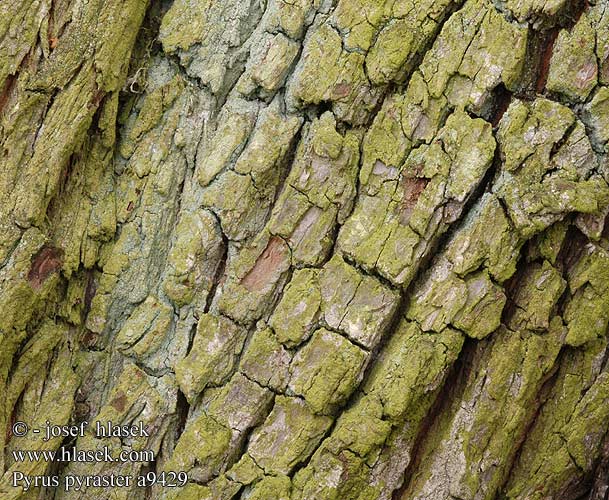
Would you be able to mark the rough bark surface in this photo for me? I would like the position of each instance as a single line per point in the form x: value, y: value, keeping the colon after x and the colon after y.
x: 323, y: 249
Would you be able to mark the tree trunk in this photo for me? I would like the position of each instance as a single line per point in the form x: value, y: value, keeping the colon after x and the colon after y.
x: 319, y: 250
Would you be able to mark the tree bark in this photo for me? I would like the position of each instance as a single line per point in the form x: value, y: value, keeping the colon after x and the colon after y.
x: 322, y: 250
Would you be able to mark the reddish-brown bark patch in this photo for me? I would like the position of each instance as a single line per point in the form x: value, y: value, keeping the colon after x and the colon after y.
x: 341, y: 90
x: 412, y: 188
x: 5, y: 93
x: 546, y: 57
x: 46, y: 262
x: 265, y: 270
x: 118, y: 403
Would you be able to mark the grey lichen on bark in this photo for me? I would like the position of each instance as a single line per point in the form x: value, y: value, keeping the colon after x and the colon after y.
x: 322, y: 249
